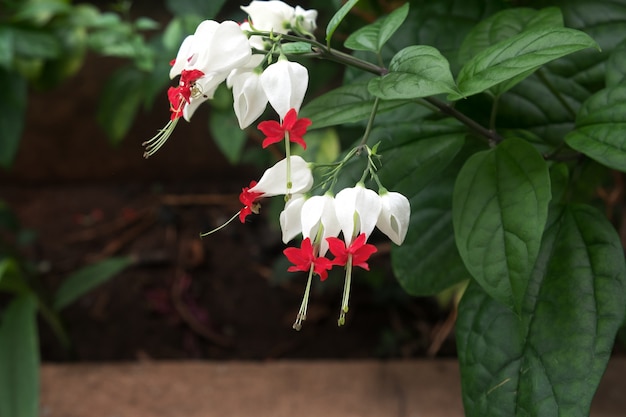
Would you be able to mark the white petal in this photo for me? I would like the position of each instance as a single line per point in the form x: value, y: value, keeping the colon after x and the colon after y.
x: 206, y: 87
x: 182, y: 57
x: 274, y: 179
x: 290, y: 217
x: 394, y: 217
x: 319, y: 211
x: 270, y: 15
x: 225, y: 49
x: 249, y: 100
x: 357, y: 210
x: 305, y: 19
x: 285, y: 85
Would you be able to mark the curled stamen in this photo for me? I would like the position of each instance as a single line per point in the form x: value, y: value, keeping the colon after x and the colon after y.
x: 154, y: 144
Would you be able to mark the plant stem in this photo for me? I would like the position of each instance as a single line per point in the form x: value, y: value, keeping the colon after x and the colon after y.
x: 324, y: 52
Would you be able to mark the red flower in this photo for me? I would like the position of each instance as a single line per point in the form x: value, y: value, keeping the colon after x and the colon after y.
x: 180, y: 95
x: 275, y: 132
x: 304, y: 257
x: 249, y: 201
x: 358, y: 249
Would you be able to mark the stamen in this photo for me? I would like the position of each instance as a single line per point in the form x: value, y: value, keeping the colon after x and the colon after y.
x: 305, y: 301
x: 154, y: 144
x: 346, y: 292
x: 220, y: 227
x: 288, y: 160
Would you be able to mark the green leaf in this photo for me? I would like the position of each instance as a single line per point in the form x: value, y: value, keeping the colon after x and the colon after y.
x: 12, y: 114
x: 33, y: 43
x: 616, y: 68
x: 145, y: 23
x: 505, y: 24
x: 601, y: 128
x: 206, y: 9
x: 500, y: 208
x: 374, y: 36
x: 120, y: 102
x: 227, y: 134
x: 296, y: 48
x: 19, y: 359
x: 88, y: 278
x: 415, y: 156
x: 520, y: 54
x: 414, y: 72
x: 429, y: 243
x: 347, y: 104
x: 415, y: 163
x: 6, y: 47
x: 549, y: 362
x: 11, y: 277
x: 41, y: 12
x: 334, y: 22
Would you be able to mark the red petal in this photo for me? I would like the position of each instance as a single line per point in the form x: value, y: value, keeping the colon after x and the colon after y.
x: 271, y: 128
x: 270, y: 140
x: 243, y: 213
x: 297, y: 139
x: 290, y: 119
x: 189, y: 76
x: 338, y: 248
x: 299, y: 128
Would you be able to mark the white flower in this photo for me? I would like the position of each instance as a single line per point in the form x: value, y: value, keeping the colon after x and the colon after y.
x: 290, y: 217
x: 305, y: 20
x: 274, y: 180
x: 256, y: 41
x: 285, y: 85
x: 357, y: 210
x: 394, y: 216
x: 273, y: 15
x: 318, y: 215
x: 214, y: 47
x: 249, y: 99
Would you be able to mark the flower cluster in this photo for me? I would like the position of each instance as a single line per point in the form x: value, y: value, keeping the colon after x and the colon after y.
x: 334, y: 228
x: 223, y: 52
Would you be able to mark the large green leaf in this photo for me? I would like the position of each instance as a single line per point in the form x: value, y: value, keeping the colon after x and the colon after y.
x: 601, y: 128
x: 417, y: 166
x: 347, y: 104
x: 428, y: 261
x: 547, y: 104
x: 12, y: 114
x: 505, y: 24
x: 374, y: 36
x: 518, y: 55
x: 605, y: 22
x: 19, y: 359
x: 414, y: 72
x: 337, y: 18
x: 550, y: 362
x: 88, y: 278
x: 616, y: 67
x: 500, y: 207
